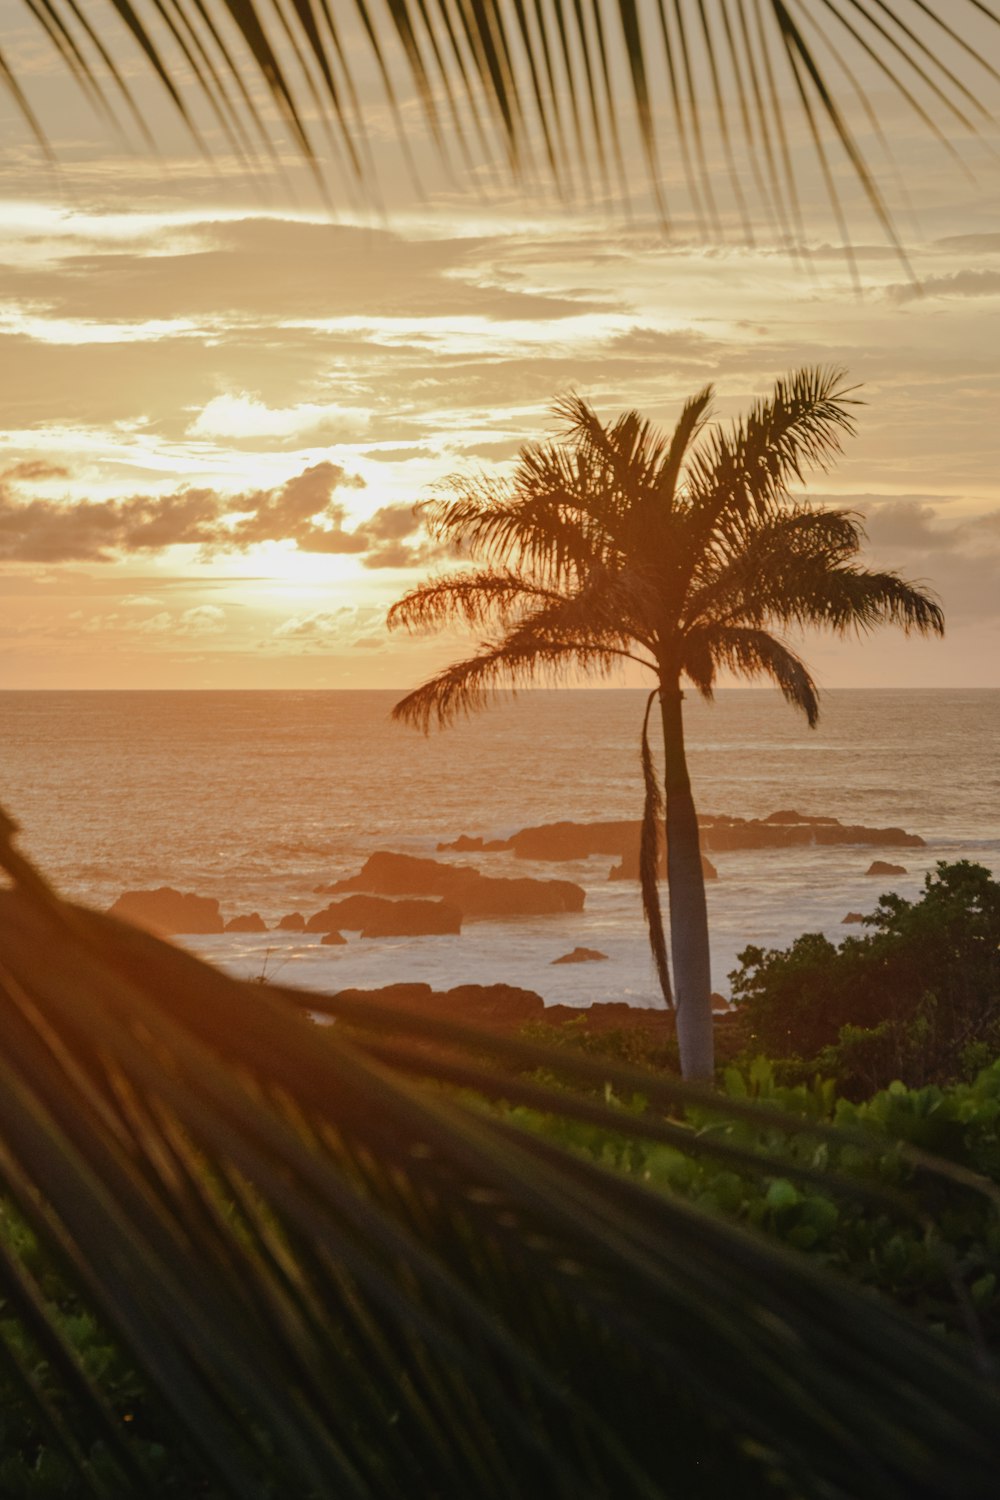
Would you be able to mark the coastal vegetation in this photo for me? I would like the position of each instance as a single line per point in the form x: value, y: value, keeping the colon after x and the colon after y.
x: 917, y: 998
x: 685, y: 554
x: 247, y: 1255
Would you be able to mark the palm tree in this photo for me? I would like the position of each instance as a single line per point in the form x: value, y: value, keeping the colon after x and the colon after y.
x: 683, y: 553
x: 569, y: 91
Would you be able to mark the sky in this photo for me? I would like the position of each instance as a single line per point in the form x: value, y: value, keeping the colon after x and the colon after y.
x: 222, y: 396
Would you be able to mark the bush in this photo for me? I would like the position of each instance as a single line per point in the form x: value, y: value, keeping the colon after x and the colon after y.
x: 940, y: 1266
x: 917, y: 998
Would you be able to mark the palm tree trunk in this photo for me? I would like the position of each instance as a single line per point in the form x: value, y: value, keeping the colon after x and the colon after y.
x: 688, y: 911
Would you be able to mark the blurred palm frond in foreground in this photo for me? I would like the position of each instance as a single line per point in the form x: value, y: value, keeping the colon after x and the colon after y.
x: 339, y: 1269
x: 738, y: 104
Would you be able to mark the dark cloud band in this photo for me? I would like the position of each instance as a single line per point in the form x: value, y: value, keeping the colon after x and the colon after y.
x: 305, y: 511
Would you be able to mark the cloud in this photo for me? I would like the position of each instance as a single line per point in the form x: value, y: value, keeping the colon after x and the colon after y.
x: 277, y: 269
x: 959, y: 284
x: 305, y: 511
x: 958, y: 558
x: 987, y: 243
x: 909, y: 524
x: 202, y: 619
x: 398, y: 454
x: 490, y: 452
x: 31, y: 470
x: 332, y: 629
x: 248, y: 421
x: 320, y: 625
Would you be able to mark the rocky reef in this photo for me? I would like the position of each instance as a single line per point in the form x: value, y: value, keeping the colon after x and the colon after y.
x: 475, y: 894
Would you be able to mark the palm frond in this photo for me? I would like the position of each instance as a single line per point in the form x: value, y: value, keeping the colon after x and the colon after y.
x: 692, y: 418
x: 337, y: 1280
x: 537, y: 520
x: 569, y: 84
x: 751, y: 567
x: 854, y: 599
x: 628, y: 452
x: 650, y: 844
x: 482, y: 597
x: 753, y: 653
x: 501, y: 667
x: 798, y: 427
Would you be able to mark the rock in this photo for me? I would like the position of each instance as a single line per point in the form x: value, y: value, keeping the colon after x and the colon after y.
x: 333, y: 940
x: 563, y: 841
x: 880, y: 867
x: 580, y: 956
x: 795, y: 817
x: 554, y: 842
x: 720, y: 1003
x: 853, y: 916
x: 505, y: 1007
x: 294, y: 922
x: 612, y: 1015
x: 646, y: 1032
x: 474, y: 894
x: 495, y: 1005
x: 169, y: 913
x: 763, y: 833
x: 252, y: 923
x: 466, y: 845
x: 629, y: 867
x: 374, y: 916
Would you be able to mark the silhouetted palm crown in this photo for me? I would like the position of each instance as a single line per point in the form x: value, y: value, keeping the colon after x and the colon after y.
x: 682, y: 553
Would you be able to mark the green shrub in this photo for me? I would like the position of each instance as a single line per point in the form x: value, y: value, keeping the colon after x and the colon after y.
x: 917, y: 998
x: 941, y: 1266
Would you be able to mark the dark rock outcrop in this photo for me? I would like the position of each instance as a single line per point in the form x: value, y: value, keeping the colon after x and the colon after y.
x: 374, y: 916
x: 333, y: 940
x: 253, y: 922
x: 719, y: 833
x: 505, y: 1008
x: 169, y: 913
x: 580, y: 956
x: 466, y: 845
x: 880, y: 867
x: 563, y: 841
x: 784, y: 816
x: 629, y: 867
x: 497, y: 1005
x: 474, y: 894
x: 559, y: 842
x: 294, y: 922
x: 852, y: 916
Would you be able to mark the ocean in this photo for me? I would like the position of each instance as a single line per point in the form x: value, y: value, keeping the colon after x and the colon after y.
x: 256, y: 798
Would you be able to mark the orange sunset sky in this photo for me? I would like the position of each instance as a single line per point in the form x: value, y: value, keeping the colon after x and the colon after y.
x: 220, y: 399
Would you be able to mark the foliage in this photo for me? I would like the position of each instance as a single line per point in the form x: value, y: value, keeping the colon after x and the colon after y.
x: 37, y: 1428
x: 538, y: 87
x: 941, y: 1264
x: 337, y: 1272
x: 685, y: 553
x: 916, y: 998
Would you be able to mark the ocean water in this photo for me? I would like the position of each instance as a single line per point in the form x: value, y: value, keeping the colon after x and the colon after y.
x: 257, y: 798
